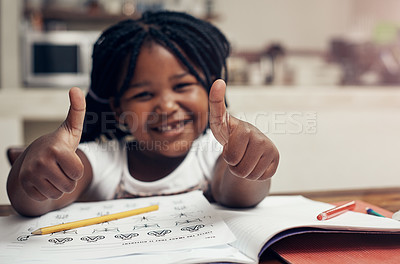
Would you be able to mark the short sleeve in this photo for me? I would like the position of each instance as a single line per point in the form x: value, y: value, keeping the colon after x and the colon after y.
x: 208, y: 149
x: 105, y: 160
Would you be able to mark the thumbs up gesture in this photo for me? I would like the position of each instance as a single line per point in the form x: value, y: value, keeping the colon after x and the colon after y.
x: 247, y: 151
x: 50, y: 165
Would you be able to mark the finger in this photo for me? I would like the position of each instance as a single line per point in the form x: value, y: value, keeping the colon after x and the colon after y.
x: 246, y: 166
x: 267, y: 164
x: 270, y: 170
x: 70, y: 164
x: 73, y: 124
x: 45, y: 188
x: 57, y: 177
x: 218, y: 113
x: 33, y: 193
x: 233, y: 152
x: 61, y: 182
x: 244, y: 157
x: 49, y: 190
x: 260, y: 169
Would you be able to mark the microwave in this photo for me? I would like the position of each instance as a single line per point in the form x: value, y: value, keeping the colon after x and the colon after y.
x: 57, y: 58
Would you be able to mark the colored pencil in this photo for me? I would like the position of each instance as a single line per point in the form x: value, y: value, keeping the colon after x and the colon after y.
x: 372, y: 212
x: 338, y: 210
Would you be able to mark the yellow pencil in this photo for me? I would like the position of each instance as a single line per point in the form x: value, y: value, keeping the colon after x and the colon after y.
x: 93, y: 221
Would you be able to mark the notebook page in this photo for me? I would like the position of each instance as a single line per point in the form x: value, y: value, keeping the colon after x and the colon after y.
x: 254, y: 227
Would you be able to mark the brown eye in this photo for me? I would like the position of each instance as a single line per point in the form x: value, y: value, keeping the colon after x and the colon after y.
x: 182, y: 86
x: 142, y: 96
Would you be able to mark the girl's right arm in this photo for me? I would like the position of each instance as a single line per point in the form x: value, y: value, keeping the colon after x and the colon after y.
x: 52, y: 173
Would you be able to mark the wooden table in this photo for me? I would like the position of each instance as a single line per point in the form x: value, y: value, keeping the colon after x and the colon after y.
x: 387, y: 198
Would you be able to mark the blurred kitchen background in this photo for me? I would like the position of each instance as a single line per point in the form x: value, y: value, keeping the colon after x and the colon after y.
x: 308, y: 42
x: 320, y: 77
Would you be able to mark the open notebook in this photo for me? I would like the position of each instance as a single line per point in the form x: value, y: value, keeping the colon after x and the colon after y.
x: 186, y: 229
x: 341, y: 247
x: 280, y: 217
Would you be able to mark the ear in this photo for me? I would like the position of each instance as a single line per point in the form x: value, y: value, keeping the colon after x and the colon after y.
x: 117, y: 110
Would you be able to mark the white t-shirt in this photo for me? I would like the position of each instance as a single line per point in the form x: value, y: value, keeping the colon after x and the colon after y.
x: 112, y: 180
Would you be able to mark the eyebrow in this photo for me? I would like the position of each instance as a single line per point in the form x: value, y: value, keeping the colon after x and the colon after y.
x: 138, y: 85
x: 178, y: 76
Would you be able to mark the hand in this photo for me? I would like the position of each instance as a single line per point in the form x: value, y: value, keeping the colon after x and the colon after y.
x: 50, y: 165
x: 247, y: 151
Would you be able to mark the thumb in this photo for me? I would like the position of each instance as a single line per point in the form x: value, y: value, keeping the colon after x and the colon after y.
x: 219, y: 117
x: 73, y: 124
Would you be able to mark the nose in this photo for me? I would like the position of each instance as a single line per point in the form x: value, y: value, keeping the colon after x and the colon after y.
x: 167, y: 104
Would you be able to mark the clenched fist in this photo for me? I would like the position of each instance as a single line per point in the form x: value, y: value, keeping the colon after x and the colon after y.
x: 51, y: 166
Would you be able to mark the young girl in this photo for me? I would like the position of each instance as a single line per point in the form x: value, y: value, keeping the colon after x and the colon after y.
x: 153, y: 123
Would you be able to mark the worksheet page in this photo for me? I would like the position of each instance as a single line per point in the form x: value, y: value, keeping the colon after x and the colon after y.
x: 183, y: 222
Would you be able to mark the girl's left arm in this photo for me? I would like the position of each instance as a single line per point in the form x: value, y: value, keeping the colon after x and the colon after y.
x: 243, y: 172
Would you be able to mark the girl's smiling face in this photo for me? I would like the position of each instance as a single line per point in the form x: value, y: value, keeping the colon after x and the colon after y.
x: 165, y: 108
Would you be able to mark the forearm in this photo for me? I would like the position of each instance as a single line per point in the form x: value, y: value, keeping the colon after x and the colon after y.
x: 232, y: 191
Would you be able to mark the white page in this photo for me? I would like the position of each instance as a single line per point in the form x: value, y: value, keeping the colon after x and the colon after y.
x: 218, y: 254
x: 254, y: 227
x: 183, y: 222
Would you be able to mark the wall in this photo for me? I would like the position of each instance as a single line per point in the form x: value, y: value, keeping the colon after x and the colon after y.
x: 9, y: 46
x: 306, y: 24
x: 301, y: 25
x: 10, y: 127
x: 328, y: 138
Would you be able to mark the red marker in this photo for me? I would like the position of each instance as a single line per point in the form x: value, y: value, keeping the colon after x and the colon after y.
x: 328, y: 214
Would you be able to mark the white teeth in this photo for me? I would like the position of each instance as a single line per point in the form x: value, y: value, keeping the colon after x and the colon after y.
x: 170, y: 127
x: 166, y: 128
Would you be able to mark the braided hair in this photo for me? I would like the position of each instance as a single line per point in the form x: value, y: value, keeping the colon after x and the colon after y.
x: 196, y: 43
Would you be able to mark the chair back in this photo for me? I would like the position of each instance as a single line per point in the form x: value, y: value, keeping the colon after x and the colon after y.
x: 13, y: 153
